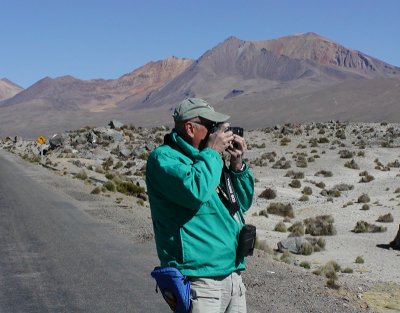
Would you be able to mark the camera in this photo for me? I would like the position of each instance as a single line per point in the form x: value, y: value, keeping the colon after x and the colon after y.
x: 234, y: 129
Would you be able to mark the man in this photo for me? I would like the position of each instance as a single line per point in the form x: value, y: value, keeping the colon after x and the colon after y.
x: 194, y: 230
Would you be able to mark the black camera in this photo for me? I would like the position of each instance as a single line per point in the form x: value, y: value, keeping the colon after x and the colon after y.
x: 234, y: 129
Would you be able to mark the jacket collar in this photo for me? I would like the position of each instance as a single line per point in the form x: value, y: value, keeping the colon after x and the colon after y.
x: 186, y: 148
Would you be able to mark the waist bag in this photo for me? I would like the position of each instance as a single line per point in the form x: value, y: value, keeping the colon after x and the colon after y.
x: 174, y: 287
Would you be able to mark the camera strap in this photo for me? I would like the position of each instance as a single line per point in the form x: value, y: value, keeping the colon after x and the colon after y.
x: 230, y: 196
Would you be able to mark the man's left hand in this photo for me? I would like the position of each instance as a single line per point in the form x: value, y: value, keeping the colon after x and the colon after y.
x: 236, y: 150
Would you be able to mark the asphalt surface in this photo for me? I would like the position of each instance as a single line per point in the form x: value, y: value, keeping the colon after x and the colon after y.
x: 56, y: 258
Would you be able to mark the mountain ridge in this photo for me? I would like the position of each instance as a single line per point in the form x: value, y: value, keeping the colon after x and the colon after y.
x: 255, y: 74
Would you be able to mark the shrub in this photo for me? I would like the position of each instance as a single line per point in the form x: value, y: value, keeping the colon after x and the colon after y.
x: 302, y: 163
x: 359, y: 260
x: 317, y: 243
x: 304, y: 198
x: 323, y: 140
x: 305, y: 265
x: 366, y: 179
x: 320, y: 226
x: 280, y: 227
x: 108, y: 163
x: 365, y: 207
x: 295, y: 175
x: 352, y: 164
x: 307, y: 190
x: 268, y: 194
x: 262, y: 245
x: 346, y: 154
x: 364, y: 198
x: 99, y: 169
x: 81, y: 175
x: 118, y: 165
x: 295, y: 183
x: 320, y: 185
x: 297, y: 229
x: 306, y: 248
x: 347, y: 270
x: 281, y: 209
x: 343, y: 187
x: 109, y: 185
x: 281, y: 164
x: 397, y: 190
x: 287, y: 257
x: 364, y: 227
x: 324, y: 173
x: 263, y: 213
x: 96, y: 191
x: 387, y: 218
x: 129, y: 188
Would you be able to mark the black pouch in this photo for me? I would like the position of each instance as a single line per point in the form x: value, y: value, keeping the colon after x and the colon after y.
x: 247, y: 240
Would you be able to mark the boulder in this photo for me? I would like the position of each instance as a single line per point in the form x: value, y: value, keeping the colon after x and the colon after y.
x: 91, y: 137
x: 125, y: 152
x: 58, y: 140
x: 292, y: 244
x: 115, y: 124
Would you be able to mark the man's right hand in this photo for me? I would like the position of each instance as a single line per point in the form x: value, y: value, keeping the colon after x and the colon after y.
x: 220, y: 140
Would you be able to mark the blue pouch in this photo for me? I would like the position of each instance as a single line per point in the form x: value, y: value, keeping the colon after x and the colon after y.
x: 174, y: 287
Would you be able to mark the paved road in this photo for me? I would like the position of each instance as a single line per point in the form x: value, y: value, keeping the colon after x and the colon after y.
x: 55, y: 258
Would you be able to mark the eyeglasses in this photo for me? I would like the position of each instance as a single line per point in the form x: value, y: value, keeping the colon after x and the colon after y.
x: 207, y: 124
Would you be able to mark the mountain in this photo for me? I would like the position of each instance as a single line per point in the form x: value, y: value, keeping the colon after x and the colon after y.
x: 303, y: 77
x: 286, y: 65
x: 8, y: 89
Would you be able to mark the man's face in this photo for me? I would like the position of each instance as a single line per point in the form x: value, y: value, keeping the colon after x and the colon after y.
x: 201, y: 129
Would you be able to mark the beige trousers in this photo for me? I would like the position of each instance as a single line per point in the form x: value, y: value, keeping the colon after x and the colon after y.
x: 218, y: 294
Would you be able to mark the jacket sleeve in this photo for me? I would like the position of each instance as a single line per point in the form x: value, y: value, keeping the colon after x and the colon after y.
x: 244, y: 186
x: 189, y: 183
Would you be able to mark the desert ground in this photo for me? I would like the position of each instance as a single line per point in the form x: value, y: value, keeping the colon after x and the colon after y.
x: 351, y: 173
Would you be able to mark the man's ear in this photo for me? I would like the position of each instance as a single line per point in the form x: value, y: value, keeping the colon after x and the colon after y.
x: 189, y: 128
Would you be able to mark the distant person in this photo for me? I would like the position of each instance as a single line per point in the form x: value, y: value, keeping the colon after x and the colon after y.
x: 196, y: 226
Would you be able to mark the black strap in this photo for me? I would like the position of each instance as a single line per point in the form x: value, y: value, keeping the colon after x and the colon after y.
x: 232, y: 203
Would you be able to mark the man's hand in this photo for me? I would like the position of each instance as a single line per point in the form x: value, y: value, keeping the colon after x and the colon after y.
x: 237, y: 149
x: 220, y: 140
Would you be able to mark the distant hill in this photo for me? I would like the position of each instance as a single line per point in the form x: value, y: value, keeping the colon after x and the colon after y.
x: 8, y: 89
x: 301, y: 77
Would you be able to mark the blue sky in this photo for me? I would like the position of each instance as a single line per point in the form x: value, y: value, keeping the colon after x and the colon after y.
x: 91, y: 39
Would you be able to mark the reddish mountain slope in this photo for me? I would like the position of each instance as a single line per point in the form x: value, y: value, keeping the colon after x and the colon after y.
x: 8, y: 89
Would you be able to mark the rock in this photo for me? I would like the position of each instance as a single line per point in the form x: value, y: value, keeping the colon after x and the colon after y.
x: 142, y: 196
x: 125, y: 152
x: 150, y: 146
x: 138, y: 152
x: 115, y: 124
x: 58, y: 140
x: 81, y: 140
x: 91, y: 137
x: 292, y: 244
x: 100, y: 153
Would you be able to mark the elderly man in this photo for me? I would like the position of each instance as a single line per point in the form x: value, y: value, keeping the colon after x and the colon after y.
x: 196, y: 229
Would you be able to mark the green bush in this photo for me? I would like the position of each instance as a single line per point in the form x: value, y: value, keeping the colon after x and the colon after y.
x: 364, y: 198
x: 324, y: 173
x: 364, y: 227
x: 359, y: 260
x: 365, y: 207
x: 307, y: 190
x: 305, y: 265
x: 352, y: 164
x: 129, y: 188
x: 347, y: 270
x: 387, y: 218
x: 268, y: 194
x: 304, y: 198
x: 295, y: 183
x: 96, y: 191
x: 280, y: 227
x: 281, y: 209
x: 297, y: 229
x: 110, y: 186
x: 320, y: 226
x: 81, y: 175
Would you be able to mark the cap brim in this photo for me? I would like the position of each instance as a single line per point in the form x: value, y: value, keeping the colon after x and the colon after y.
x: 214, y: 116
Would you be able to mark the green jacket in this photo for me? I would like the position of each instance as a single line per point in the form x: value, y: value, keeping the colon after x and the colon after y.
x: 193, y: 229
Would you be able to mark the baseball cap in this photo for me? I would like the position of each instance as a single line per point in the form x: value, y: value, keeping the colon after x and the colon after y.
x: 193, y: 107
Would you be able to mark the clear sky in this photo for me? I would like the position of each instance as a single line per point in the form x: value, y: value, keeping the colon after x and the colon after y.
x: 108, y: 38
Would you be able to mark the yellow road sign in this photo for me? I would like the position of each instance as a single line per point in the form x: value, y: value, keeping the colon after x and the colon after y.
x: 41, y: 140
